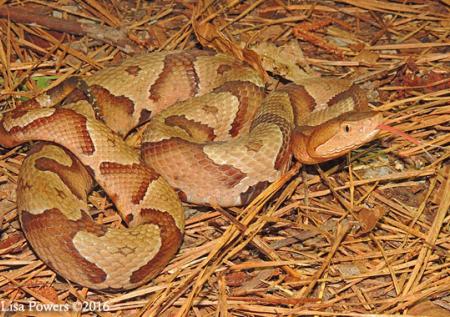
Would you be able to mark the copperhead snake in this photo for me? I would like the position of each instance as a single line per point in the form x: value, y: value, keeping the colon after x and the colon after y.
x: 215, y: 137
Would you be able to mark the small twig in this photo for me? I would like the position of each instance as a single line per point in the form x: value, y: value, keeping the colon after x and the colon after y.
x: 99, y: 32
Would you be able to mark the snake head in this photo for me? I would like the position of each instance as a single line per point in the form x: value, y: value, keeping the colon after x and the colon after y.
x: 335, y: 137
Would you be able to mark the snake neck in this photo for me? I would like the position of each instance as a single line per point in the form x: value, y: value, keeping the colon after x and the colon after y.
x: 300, y: 145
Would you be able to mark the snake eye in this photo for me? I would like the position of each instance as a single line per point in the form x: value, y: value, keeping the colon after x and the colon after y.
x: 346, y: 128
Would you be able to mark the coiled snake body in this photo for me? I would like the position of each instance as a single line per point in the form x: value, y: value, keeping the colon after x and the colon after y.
x: 221, y: 141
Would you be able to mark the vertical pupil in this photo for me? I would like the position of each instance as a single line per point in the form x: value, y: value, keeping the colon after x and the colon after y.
x: 347, y: 128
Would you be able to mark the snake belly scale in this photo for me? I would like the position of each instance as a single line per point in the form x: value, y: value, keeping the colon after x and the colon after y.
x: 212, y: 136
